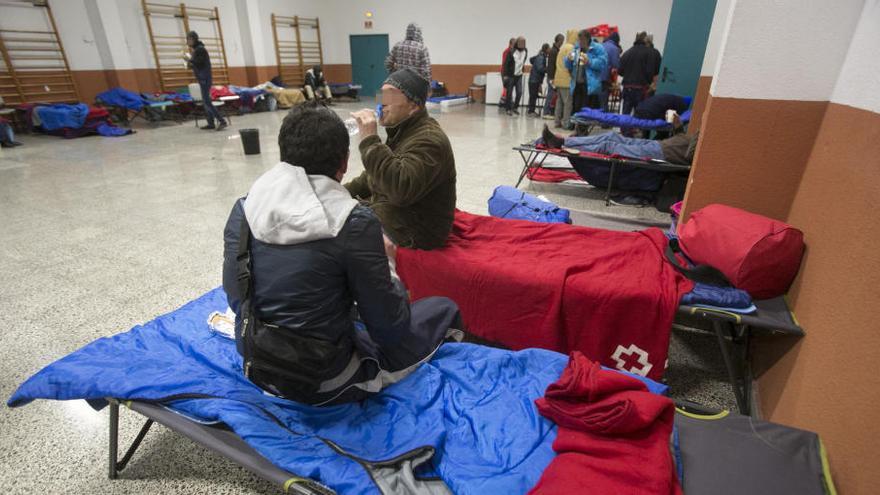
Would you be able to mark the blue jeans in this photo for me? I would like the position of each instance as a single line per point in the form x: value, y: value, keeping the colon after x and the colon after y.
x: 612, y: 143
x: 211, y: 111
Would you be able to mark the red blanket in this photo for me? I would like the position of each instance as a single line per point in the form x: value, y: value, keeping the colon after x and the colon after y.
x: 613, y: 434
x: 552, y: 175
x: 608, y: 294
x: 218, y: 92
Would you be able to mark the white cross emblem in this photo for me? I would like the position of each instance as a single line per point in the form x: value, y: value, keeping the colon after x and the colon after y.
x: 629, y: 351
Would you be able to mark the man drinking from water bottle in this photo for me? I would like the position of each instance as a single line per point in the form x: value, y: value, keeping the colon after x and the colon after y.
x: 408, y: 181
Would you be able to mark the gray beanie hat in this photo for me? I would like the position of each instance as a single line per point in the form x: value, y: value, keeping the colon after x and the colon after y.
x: 411, y: 84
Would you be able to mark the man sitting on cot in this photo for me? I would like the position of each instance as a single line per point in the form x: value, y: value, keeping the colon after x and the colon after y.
x: 320, y: 317
x: 679, y: 149
x: 409, y: 181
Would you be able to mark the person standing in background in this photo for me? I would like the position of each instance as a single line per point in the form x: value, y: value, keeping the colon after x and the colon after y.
x: 586, y: 63
x: 199, y: 61
x: 612, y: 49
x: 536, y: 77
x: 657, y: 61
x: 502, y: 104
x: 513, y: 71
x: 410, y: 53
x: 551, y: 74
x: 562, y: 82
x: 637, y: 69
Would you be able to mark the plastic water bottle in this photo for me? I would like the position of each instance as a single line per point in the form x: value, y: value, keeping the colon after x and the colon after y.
x: 351, y: 124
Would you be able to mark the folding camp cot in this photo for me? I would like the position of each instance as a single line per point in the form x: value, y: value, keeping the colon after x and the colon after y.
x: 735, y: 331
x: 587, y: 118
x: 216, y: 438
x: 534, y: 158
x: 148, y: 112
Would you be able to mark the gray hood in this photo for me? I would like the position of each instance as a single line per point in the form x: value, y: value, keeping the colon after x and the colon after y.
x: 414, y: 33
x: 286, y: 206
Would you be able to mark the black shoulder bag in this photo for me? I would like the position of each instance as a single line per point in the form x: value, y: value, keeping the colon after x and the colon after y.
x: 291, y: 362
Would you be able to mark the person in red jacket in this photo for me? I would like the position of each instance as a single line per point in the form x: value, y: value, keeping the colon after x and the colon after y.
x: 503, y: 102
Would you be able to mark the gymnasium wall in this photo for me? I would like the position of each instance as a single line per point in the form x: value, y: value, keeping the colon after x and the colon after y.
x: 803, y: 149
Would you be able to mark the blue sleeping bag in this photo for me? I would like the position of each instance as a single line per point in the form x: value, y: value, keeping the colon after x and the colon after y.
x: 473, y: 404
x: 120, y: 97
x: 61, y: 115
x: 509, y: 202
x: 620, y: 120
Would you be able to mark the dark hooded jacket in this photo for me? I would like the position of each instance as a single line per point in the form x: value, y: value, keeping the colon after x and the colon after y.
x: 637, y: 65
x: 411, y: 52
x: 409, y: 182
x: 200, y: 63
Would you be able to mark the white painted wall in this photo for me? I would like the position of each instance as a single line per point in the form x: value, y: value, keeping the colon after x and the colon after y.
x: 261, y: 23
x: 800, y: 61
x: 457, y: 33
x: 476, y: 32
x: 859, y: 82
x: 716, y: 34
x: 74, y: 30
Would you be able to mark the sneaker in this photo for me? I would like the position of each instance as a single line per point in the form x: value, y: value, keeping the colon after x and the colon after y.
x: 548, y: 116
x: 223, y: 125
x: 515, y: 111
x: 509, y: 112
x: 550, y: 139
x: 629, y: 200
x: 209, y: 127
x: 532, y: 114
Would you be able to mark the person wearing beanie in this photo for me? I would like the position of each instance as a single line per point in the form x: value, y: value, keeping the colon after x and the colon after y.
x: 409, y: 180
x: 200, y: 62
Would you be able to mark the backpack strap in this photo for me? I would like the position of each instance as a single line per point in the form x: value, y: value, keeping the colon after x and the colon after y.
x: 703, y: 274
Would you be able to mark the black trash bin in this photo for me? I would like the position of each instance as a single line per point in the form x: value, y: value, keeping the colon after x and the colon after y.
x: 250, y: 141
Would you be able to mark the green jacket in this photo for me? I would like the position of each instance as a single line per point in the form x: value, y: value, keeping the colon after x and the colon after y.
x: 409, y: 182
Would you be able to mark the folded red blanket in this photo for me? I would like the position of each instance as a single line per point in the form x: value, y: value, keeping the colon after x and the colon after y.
x: 611, y: 295
x: 613, y: 434
x: 552, y: 175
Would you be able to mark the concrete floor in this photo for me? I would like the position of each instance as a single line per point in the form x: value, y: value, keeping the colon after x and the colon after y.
x: 103, y: 233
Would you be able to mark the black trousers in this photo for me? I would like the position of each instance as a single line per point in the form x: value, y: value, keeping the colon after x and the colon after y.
x: 579, y: 98
x: 534, y: 87
x: 514, y: 82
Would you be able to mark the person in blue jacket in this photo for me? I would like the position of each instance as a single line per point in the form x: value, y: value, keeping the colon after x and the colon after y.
x: 612, y: 49
x: 586, y: 62
x: 199, y: 61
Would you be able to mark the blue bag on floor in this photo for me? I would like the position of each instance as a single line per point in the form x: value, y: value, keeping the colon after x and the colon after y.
x: 510, y: 202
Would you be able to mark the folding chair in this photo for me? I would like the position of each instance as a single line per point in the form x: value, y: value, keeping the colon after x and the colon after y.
x: 196, y: 92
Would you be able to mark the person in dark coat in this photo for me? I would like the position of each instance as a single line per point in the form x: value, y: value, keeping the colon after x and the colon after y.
x: 337, y: 322
x: 637, y: 69
x: 409, y: 180
x: 612, y: 49
x: 536, y: 76
x: 199, y: 61
x: 657, y: 62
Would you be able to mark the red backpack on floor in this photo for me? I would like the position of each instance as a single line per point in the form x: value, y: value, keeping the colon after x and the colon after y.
x: 757, y: 254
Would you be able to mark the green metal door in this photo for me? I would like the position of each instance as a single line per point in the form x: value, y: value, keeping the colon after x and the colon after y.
x: 368, y: 52
x: 686, y: 38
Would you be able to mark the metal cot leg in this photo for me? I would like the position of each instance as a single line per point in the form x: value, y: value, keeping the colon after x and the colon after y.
x: 118, y: 465
x: 736, y: 378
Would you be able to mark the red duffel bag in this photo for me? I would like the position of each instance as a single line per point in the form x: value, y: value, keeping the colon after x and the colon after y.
x: 757, y: 254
